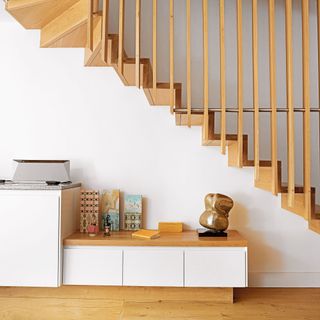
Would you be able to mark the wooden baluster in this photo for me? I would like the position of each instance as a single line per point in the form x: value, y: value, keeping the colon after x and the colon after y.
x: 189, y: 62
x: 306, y: 106
x: 318, y: 27
x: 90, y: 25
x: 138, y: 23
x: 96, y: 6
x: 121, y: 35
x: 205, y: 126
x: 290, y: 119
x: 171, y: 26
x: 105, y: 22
x: 255, y: 63
x: 154, y: 47
x: 222, y: 79
x: 273, y: 97
x: 239, y: 83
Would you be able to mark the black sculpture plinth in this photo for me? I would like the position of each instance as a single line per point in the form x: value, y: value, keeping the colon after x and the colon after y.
x: 211, y: 233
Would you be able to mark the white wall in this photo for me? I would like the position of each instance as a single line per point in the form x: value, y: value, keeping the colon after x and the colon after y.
x: 52, y: 107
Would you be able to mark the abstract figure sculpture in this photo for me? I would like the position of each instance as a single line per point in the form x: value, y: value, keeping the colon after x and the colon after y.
x: 215, y: 218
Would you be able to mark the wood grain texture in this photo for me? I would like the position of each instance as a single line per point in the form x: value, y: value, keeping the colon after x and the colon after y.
x: 70, y: 209
x: 114, y: 293
x: 240, y: 83
x: 182, y: 119
x: 298, y: 206
x: 318, y: 34
x: 188, y: 9
x: 171, y: 49
x: 255, y: 66
x: 181, y: 239
x: 105, y: 30
x: 205, y: 130
x: 35, y: 14
x: 137, y: 54
x: 170, y: 226
x: 58, y: 309
x: 73, y: 18
x: 250, y: 304
x: 265, y: 179
x: 118, y: 303
x: 273, y: 98
x: 121, y: 35
x: 154, y: 45
x: 222, y: 79
x: 73, y: 38
x: 306, y: 106
x: 290, y: 119
x: 94, y: 58
x: 90, y: 25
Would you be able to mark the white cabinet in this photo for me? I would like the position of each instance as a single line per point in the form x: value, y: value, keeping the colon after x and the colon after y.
x: 153, y: 267
x: 156, y: 266
x: 30, y: 236
x: 215, y: 267
x: 29, y: 239
x: 92, y: 266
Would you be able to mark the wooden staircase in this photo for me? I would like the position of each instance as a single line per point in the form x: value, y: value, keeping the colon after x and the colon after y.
x: 83, y: 24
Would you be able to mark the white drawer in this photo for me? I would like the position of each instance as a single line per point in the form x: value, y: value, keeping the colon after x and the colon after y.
x: 153, y: 267
x: 216, y: 267
x: 92, y: 266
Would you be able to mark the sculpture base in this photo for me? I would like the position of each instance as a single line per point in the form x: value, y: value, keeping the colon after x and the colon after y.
x: 211, y: 233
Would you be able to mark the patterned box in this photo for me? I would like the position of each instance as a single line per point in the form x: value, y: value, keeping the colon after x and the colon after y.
x: 89, y: 209
x: 110, y: 209
x: 133, y: 212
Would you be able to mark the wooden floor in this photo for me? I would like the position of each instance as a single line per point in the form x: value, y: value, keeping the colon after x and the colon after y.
x: 253, y: 303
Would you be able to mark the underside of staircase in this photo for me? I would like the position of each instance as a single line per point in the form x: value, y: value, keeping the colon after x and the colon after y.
x: 82, y: 24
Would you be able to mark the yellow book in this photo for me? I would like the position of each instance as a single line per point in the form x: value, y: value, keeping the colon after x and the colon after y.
x: 146, y: 234
x: 170, y: 226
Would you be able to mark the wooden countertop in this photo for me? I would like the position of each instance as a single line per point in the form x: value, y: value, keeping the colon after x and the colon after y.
x: 182, y: 239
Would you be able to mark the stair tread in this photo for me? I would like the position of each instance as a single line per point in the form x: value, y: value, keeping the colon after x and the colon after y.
x: 19, y: 4
x: 65, y: 23
x: 34, y: 14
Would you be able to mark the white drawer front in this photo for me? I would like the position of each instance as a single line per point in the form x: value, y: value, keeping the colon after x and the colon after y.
x: 153, y: 267
x: 92, y: 266
x: 218, y: 267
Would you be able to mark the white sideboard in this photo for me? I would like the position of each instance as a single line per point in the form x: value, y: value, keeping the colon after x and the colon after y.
x: 33, y: 225
x: 173, y: 260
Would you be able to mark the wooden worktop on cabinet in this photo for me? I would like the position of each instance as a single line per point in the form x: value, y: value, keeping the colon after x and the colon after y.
x: 182, y: 239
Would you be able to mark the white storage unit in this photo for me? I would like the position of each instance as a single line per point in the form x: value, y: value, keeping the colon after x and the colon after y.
x: 33, y: 224
x: 156, y: 266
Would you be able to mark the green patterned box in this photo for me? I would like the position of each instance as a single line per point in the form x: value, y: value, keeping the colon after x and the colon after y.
x: 133, y: 212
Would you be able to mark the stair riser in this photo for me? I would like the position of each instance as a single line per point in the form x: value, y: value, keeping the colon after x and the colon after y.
x: 298, y: 207
x: 182, y: 119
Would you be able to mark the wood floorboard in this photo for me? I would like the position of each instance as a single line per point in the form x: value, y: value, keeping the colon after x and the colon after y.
x: 59, y: 309
x: 251, y: 303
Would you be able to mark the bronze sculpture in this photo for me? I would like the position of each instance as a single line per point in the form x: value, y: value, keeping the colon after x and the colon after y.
x: 215, y: 217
